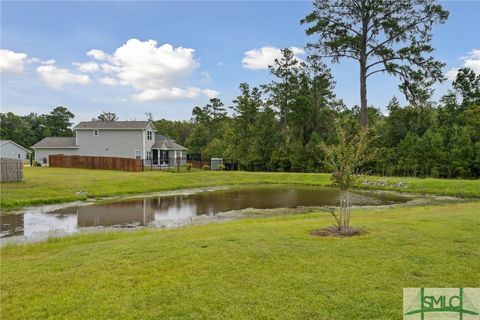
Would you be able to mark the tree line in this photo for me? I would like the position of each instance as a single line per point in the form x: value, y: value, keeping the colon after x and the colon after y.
x: 28, y: 130
x: 281, y: 125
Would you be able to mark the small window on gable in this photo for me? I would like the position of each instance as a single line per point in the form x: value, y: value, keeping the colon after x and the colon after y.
x: 149, y: 135
x: 19, y: 156
x: 95, y: 133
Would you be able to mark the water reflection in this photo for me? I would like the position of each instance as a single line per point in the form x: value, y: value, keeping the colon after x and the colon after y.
x: 173, y: 209
x: 139, y: 212
x: 11, y: 225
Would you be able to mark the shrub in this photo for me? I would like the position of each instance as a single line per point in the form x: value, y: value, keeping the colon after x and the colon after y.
x: 206, y: 167
x: 221, y: 167
x: 188, y: 166
x: 345, y: 159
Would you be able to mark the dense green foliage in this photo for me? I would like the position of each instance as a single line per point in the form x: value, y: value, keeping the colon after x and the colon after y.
x: 281, y: 126
x: 28, y: 130
x: 256, y: 268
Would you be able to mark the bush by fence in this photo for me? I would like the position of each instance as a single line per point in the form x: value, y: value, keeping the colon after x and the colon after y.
x: 90, y: 162
x: 11, y: 170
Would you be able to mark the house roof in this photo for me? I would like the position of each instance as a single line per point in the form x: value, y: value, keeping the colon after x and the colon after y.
x: 56, y: 143
x: 13, y: 142
x: 129, y: 125
x: 165, y: 143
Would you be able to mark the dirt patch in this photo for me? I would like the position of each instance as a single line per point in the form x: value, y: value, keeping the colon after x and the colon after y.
x: 335, y: 231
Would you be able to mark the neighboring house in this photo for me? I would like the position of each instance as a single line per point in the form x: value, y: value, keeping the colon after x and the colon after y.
x: 123, y: 139
x: 165, y: 151
x: 12, y: 150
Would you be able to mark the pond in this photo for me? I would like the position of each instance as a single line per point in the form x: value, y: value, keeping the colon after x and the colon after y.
x: 172, y: 210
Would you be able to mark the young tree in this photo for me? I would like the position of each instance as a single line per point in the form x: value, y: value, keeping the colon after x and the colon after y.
x: 346, y: 159
x: 391, y: 36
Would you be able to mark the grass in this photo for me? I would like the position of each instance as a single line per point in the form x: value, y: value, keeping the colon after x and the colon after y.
x: 445, y: 187
x: 264, y: 268
x: 44, y: 185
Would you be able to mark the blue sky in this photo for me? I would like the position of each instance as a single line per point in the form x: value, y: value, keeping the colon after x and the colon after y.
x: 163, y: 79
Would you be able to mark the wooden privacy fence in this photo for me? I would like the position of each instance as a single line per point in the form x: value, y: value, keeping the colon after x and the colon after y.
x: 11, y: 170
x: 198, y: 164
x: 90, y: 162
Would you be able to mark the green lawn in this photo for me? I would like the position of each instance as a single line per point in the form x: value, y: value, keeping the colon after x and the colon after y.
x: 53, y: 185
x: 263, y: 268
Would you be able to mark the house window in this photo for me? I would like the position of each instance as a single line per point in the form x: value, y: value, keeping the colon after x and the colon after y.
x: 149, y: 155
x: 149, y: 135
x: 95, y: 133
x: 138, y: 154
x: 19, y: 156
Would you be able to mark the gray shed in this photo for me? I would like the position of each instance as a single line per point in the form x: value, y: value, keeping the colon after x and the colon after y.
x: 12, y: 150
x: 215, y: 163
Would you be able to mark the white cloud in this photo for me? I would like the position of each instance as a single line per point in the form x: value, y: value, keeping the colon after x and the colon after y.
x: 87, y: 67
x: 14, y: 62
x: 109, y: 81
x: 211, y: 93
x: 174, y: 93
x: 97, y: 54
x: 57, y: 78
x: 11, y: 61
x: 472, y: 61
x: 157, y: 72
x: 36, y: 60
x: 452, y: 73
x: 258, y: 59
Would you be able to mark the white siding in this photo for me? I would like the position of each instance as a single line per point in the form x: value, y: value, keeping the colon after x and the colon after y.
x: 11, y: 151
x: 40, y: 154
x: 149, y: 143
x: 110, y: 143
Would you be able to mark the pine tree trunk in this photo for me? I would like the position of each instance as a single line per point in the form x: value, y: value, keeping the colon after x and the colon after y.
x: 363, y: 93
x: 363, y: 73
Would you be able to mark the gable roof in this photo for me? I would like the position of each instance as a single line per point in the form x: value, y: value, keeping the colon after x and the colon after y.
x: 165, y: 143
x: 129, y: 125
x: 56, y: 143
x: 13, y: 142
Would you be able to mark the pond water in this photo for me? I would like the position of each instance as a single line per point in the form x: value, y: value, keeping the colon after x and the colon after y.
x: 171, y: 210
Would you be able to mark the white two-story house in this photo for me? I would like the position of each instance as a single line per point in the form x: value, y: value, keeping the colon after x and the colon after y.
x: 123, y: 139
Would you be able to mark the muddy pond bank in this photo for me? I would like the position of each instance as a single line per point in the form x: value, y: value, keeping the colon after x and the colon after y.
x: 176, y: 208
